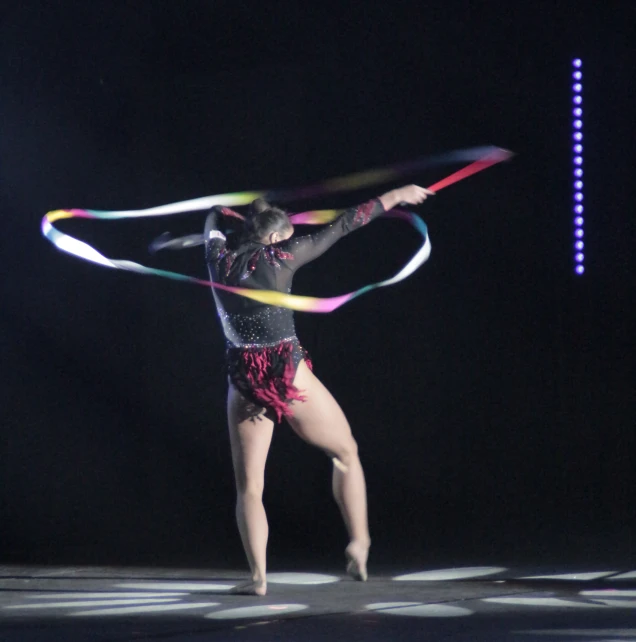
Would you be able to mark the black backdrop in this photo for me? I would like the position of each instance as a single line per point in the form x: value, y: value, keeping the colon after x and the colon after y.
x: 492, y: 394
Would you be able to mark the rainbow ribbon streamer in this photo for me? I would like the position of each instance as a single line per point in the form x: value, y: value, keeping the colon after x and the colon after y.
x: 486, y: 157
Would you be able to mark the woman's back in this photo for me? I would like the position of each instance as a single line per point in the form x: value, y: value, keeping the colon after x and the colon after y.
x: 248, y: 323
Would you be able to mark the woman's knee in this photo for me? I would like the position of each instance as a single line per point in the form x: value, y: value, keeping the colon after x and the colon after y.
x: 347, y: 453
x: 248, y: 489
x: 249, y: 484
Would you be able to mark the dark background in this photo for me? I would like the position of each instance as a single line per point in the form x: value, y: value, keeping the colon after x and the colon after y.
x: 492, y: 393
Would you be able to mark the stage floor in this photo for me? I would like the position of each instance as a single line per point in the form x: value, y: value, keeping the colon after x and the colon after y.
x: 469, y: 603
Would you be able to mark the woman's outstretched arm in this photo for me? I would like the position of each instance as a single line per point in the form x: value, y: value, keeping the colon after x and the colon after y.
x: 307, y: 248
x: 212, y: 237
x: 410, y: 195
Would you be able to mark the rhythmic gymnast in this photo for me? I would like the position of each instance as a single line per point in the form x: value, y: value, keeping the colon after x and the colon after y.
x: 269, y: 373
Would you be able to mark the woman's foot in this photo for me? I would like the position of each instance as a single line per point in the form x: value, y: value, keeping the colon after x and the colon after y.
x: 357, y: 554
x: 255, y: 587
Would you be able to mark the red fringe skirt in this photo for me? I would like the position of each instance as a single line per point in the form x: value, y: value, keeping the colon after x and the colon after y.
x: 265, y: 376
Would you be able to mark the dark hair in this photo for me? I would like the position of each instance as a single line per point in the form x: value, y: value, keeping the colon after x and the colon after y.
x: 264, y: 219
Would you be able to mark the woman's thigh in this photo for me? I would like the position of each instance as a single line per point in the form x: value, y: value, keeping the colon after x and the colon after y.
x: 250, y: 438
x: 319, y: 420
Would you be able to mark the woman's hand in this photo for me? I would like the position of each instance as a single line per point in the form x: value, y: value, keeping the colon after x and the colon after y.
x: 410, y: 195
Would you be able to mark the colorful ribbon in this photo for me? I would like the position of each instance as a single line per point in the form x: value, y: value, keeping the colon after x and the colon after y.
x: 66, y: 243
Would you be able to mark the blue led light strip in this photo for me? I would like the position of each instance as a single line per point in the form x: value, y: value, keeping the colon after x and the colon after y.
x: 577, y: 162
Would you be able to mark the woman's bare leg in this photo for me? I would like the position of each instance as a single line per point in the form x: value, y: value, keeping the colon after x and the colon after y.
x: 250, y: 438
x: 321, y: 422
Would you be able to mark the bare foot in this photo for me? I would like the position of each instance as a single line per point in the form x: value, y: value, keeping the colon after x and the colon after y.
x: 357, y: 555
x: 255, y: 587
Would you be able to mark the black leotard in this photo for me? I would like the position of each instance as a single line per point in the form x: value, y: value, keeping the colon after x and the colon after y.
x: 263, y: 350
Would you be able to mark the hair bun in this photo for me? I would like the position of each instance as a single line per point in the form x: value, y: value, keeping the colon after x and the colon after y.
x: 263, y: 219
x: 258, y: 206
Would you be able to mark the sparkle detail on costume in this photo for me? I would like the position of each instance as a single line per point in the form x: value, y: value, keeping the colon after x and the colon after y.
x: 262, y: 327
x: 258, y: 346
x: 226, y: 260
x: 251, y: 264
x: 363, y: 213
x: 286, y: 256
x: 270, y: 254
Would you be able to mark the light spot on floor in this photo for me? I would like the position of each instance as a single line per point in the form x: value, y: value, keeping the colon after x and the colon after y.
x: 265, y: 610
x: 134, y: 610
x: 301, y: 578
x: 450, y: 574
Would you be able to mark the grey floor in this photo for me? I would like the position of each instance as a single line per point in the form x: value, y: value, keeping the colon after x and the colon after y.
x: 466, y: 603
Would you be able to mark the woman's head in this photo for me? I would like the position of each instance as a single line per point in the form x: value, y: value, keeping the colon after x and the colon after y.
x: 267, y: 224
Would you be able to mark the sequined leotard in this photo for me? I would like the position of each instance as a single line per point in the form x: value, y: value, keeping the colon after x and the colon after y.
x: 263, y: 351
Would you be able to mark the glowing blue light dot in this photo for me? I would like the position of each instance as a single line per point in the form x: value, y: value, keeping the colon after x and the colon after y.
x: 578, y: 172
x: 578, y: 124
x: 578, y: 149
x: 577, y: 63
x: 579, y: 245
x: 578, y: 112
x: 578, y: 221
x: 578, y: 160
x: 579, y: 233
x: 578, y: 196
x: 578, y: 185
x: 577, y: 87
x: 578, y: 209
x: 580, y: 269
x: 579, y: 258
x: 577, y: 75
x: 578, y: 136
x: 577, y: 100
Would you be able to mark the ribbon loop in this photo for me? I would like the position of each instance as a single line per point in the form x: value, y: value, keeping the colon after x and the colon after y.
x: 486, y: 157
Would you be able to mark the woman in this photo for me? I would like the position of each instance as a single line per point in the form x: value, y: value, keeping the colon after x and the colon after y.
x: 269, y: 373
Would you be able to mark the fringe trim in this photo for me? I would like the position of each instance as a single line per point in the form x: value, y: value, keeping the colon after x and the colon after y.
x: 265, y: 376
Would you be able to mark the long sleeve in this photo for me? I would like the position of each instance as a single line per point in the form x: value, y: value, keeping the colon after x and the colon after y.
x: 307, y: 248
x: 214, y: 238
